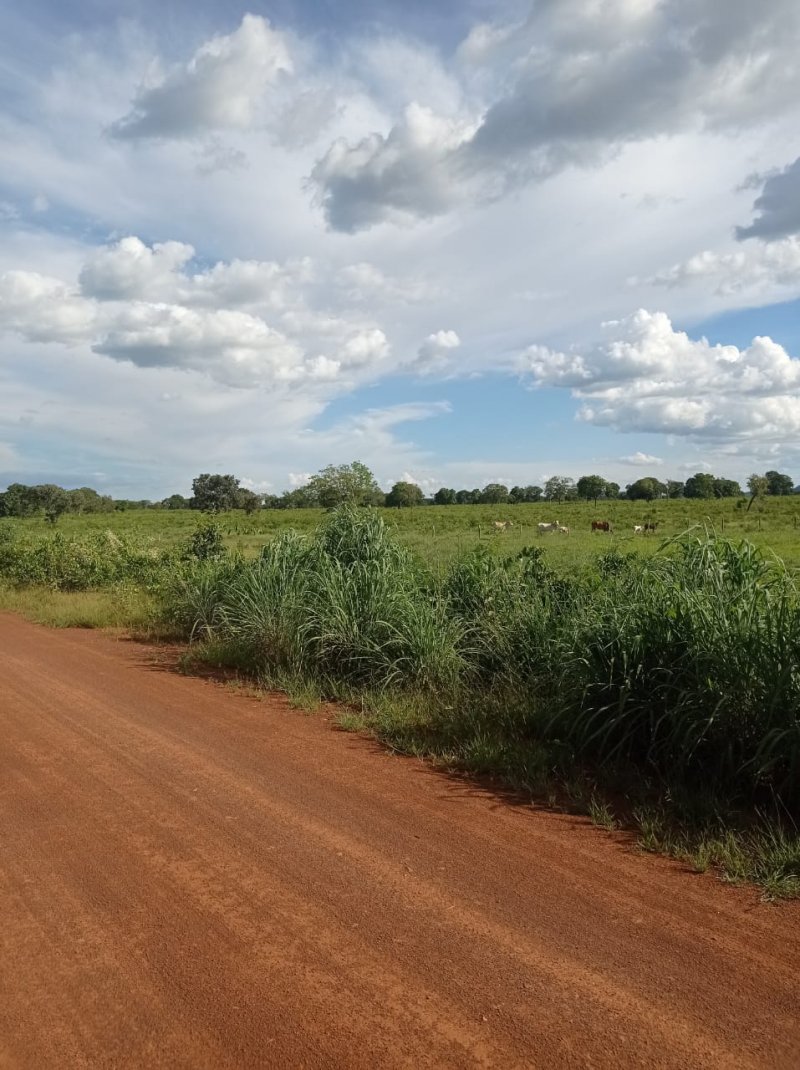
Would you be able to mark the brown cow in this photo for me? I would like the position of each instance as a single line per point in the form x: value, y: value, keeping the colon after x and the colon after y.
x: 602, y: 525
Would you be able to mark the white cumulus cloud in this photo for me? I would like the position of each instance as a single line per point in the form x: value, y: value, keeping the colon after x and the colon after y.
x: 639, y: 459
x: 220, y: 87
x: 755, y: 269
x: 648, y: 377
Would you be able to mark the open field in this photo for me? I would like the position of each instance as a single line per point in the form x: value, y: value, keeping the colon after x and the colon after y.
x: 439, y: 533
x: 197, y: 878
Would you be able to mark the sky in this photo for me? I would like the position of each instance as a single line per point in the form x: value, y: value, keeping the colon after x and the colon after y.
x: 462, y: 242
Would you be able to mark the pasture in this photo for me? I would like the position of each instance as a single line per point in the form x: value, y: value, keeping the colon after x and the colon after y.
x: 438, y: 534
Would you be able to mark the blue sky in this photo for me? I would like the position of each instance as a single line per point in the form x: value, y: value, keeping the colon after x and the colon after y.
x: 461, y: 242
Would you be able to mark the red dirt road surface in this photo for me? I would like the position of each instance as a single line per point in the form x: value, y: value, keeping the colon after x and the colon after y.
x: 191, y: 877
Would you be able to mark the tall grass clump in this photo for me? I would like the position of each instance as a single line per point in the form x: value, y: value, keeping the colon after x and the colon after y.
x: 688, y: 666
x: 345, y: 603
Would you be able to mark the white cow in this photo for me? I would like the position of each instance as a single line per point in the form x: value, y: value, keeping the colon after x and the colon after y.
x: 638, y: 529
x: 503, y: 525
x: 563, y: 530
x: 544, y: 528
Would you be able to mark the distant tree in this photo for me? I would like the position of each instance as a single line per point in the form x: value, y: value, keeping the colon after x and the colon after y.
x: 346, y: 483
x: 53, y: 500
x: 270, y: 501
x: 612, y: 490
x: 778, y: 483
x: 213, y: 493
x: 445, y: 496
x: 700, y: 485
x: 559, y: 488
x: 674, y: 488
x: 646, y: 489
x: 758, y: 487
x: 87, y: 500
x: 468, y: 497
x: 248, y: 500
x: 299, y: 498
x: 590, y: 488
x: 21, y: 500
x: 175, y: 501
x: 494, y: 494
x: 404, y: 495
x: 726, y: 488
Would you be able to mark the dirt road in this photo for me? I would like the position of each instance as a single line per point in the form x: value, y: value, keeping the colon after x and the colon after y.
x: 195, y: 878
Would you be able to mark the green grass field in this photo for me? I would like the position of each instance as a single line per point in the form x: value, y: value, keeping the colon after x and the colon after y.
x: 440, y: 533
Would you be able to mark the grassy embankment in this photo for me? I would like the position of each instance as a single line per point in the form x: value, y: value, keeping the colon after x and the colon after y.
x: 667, y: 681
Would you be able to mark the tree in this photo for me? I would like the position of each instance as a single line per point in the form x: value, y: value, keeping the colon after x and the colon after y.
x: 674, y: 488
x: 20, y: 500
x: 758, y: 487
x: 248, y: 500
x: 590, y: 488
x: 213, y: 493
x: 494, y: 494
x: 700, y: 485
x: 404, y: 495
x: 53, y: 500
x: 528, y: 494
x: 557, y: 488
x: 445, y: 496
x: 342, y: 484
x: 87, y: 500
x: 726, y: 488
x: 175, y: 501
x: 299, y: 498
x: 645, y: 489
x: 468, y: 497
x: 779, y: 484
x: 612, y: 490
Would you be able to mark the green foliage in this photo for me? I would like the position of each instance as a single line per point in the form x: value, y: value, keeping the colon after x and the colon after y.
x: 215, y: 493
x: 590, y: 488
x: 345, y: 484
x: 91, y: 562
x: 646, y: 489
x: 205, y: 543
x: 494, y: 494
x: 559, y: 488
x: 778, y: 483
x: 403, y: 495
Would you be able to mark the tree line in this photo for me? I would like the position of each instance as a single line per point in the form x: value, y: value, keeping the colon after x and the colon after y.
x: 355, y: 484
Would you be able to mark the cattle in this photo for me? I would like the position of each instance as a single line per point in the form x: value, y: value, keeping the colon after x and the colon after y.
x: 638, y: 529
x: 544, y: 528
x: 650, y: 525
x: 602, y: 525
x: 563, y: 529
x: 503, y: 525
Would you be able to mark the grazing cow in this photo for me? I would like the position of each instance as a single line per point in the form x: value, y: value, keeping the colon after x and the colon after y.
x: 503, y: 525
x: 650, y: 525
x: 601, y: 525
x: 638, y: 529
x: 563, y: 530
x: 544, y: 528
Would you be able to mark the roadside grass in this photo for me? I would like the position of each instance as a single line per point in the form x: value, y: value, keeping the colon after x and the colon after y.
x: 128, y: 608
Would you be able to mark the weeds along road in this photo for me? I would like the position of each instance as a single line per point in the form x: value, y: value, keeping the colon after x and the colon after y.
x: 195, y: 878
